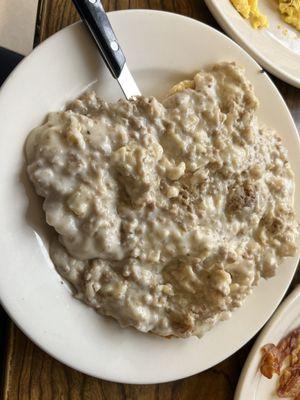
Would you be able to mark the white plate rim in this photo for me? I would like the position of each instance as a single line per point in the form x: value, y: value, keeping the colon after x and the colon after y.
x: 3, y: 302
x: 258, y: 55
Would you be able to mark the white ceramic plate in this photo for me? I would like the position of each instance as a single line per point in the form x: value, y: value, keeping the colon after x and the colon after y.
x: 252, y: 385
x: 276, y: 48
x: 161, y: 49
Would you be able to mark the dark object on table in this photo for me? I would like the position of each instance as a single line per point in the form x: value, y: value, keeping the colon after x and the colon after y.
x: 8, y: 60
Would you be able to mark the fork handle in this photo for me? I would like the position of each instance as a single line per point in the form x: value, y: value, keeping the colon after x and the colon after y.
x: 94, y: 16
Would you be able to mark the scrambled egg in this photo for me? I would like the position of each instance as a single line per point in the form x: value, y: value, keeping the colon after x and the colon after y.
x: 249, y: 10
x: 290, y: 10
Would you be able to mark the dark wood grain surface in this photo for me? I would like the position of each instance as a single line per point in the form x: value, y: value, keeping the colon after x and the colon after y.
x: 33, y: 375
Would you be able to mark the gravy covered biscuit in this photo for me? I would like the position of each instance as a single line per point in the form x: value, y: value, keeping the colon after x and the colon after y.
x: 168, y: 212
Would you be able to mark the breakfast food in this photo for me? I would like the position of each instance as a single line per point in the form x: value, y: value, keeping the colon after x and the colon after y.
x: 274, y: 357
x: 290, y: 10
x: 167, y: 213
x: 249, y: 10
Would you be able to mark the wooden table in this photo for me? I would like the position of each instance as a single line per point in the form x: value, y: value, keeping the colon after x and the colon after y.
x: 33, y: 375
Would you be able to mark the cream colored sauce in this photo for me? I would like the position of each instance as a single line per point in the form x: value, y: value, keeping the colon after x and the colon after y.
x: 168, y: 213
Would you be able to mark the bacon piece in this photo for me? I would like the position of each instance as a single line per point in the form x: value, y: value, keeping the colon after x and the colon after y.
x: 289, y: 382
x: 295, y: 356
x: 271, y: 361
x: 273, y: 358
x: 289, y: 343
